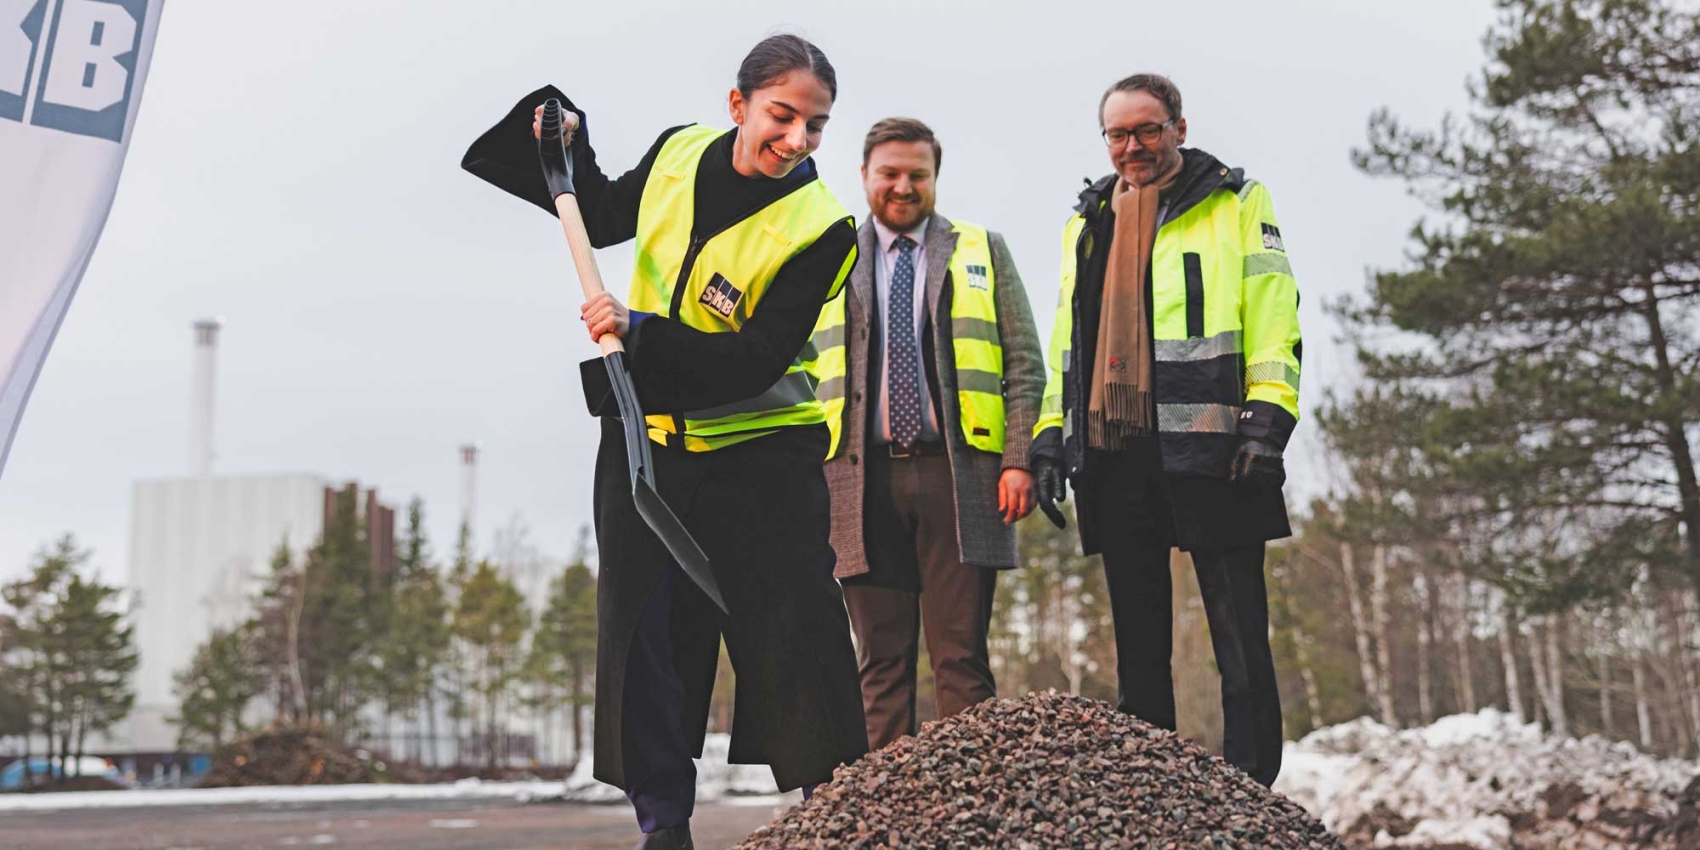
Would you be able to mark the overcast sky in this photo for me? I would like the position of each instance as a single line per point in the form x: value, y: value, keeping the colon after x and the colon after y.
x: 296, y: 168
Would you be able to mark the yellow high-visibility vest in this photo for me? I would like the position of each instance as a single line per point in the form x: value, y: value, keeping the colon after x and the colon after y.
x: 714, y: 284
x: 977, y: 349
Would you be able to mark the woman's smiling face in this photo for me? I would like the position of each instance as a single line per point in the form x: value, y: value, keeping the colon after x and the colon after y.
x: 779, y: 124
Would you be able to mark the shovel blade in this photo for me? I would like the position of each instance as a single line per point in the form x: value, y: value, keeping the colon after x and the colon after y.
x: 678, y: 541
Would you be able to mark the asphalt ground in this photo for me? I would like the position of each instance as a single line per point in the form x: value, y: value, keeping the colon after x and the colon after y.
x: 411, y: 825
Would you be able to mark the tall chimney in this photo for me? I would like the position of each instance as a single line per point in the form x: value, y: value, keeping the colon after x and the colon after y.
x: 468, y: 485
x: 202, y: 382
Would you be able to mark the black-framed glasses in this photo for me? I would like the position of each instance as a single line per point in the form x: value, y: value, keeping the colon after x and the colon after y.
x: 1147, y: 133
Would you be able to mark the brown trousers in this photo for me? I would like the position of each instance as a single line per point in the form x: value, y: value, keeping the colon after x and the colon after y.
x: 917, y: 578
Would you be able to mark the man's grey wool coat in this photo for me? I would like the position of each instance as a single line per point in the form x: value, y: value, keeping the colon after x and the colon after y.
x: 980, y: 531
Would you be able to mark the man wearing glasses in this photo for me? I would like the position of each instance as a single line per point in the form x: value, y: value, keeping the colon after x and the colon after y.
x: 1173, y: 390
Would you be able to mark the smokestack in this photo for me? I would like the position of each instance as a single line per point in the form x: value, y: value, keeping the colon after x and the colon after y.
x: 202, y: 382
x: 468, y: 484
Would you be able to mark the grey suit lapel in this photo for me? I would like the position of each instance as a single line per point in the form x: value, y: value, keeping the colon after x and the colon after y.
x: 860, y: 353
x: 862, y: 274
x: 941, y: 243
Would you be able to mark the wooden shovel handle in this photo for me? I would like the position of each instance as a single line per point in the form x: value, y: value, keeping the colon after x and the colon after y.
x: 584, y: 259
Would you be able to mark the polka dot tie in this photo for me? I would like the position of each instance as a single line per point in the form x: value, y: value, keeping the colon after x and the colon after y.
x: 904, y: 389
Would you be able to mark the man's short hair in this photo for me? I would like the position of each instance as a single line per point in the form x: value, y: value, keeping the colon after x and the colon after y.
x: 1157, y: 85
x: 901, y: 130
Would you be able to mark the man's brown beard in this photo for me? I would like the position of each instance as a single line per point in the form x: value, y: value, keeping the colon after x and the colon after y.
x: 921, y: 213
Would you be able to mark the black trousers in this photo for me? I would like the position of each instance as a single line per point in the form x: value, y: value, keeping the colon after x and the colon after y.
x: 760, y: 511
x: 1136, y: 537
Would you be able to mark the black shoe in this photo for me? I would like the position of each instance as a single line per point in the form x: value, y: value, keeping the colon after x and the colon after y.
x: 671, y: 838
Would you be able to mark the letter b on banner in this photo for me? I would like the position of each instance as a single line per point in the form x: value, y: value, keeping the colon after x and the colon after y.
x: 87, y: 67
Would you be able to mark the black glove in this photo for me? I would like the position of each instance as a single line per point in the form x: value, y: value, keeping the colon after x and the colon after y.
x: 1263, y: 429
x: 1258, y: 462
x: 1052, y: 488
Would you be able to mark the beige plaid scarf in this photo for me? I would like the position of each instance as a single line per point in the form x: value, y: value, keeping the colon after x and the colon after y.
x: 1120, y: 406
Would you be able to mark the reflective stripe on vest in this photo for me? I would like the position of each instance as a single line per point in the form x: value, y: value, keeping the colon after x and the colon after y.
x: 714, y: 284
x: 825, y: 358
x: 976, y: 347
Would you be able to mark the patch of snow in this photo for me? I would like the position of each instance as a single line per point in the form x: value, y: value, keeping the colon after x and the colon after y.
x: 267, y: 794
x: 1312, y: 778
x: 1488, y: 724
x: 453, y: 823
x: 773, y: 800
x: 717, y: 778
x: 582, y: 787
x: 1468, y: 779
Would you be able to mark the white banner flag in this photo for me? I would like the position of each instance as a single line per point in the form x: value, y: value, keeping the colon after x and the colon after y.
x: 71, y: 75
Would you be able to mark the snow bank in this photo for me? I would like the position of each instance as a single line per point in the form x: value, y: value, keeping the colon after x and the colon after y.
x: 1483, y: 781
x: 466, y: 789
x: 716, y: 780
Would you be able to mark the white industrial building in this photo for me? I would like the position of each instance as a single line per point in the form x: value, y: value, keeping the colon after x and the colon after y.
x: 202, y: 545
x: 199, y: 549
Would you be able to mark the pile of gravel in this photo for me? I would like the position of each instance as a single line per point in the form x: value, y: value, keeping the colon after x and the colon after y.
x: 1043, y: 771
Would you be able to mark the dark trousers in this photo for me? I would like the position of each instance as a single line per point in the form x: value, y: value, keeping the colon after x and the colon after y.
x: 760, y: 512
x: 661, y: 779
x: 917, y: 580
x: 1136, y: 536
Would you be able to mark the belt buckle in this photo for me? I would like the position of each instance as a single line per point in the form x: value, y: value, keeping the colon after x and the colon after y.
x: 893, y: 450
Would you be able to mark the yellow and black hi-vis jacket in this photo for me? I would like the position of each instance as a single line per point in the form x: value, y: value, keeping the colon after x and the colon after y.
x: 1224, y: 314
x: 714, y: 283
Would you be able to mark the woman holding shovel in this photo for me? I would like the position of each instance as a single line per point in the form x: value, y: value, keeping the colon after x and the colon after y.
x: 739, y: 245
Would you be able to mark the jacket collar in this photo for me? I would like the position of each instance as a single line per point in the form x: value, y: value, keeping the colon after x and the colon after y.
x: 940, y: 240
x: 1201, y: 174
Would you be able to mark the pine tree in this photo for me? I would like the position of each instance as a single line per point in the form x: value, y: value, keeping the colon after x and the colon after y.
x: 565, y: 641
x: 414, y: 649
x: 409, y: 643
x: 14, y: 700
x: 99, y: 650
x: 491, y: 619
x: 336, y: 624
x: 227, y: 672
x: 276, y: 623
x: 1553, y: 300
x: 72, y: 649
